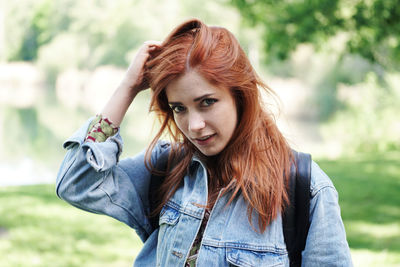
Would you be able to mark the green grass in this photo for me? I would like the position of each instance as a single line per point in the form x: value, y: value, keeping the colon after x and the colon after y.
x: 41, y: 230
x: 38, y: 229
x: 369, y: 195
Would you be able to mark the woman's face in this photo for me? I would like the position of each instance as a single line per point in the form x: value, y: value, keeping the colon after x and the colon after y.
x: 204, y: 113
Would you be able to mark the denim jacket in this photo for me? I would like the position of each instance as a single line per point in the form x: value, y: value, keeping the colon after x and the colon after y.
x: 92, y: 178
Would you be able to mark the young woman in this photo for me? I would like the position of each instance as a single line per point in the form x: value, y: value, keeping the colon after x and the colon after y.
x: 226, y: 169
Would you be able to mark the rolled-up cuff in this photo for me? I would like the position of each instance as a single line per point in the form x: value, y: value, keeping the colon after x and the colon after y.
x: 100, y: 129
x: 101, y: 156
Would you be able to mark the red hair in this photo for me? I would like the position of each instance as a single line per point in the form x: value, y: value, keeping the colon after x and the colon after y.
x: 256, y: 162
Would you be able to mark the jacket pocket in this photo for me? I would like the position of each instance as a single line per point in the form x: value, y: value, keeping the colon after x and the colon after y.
x: 169, y: 216
x: 250, y: 258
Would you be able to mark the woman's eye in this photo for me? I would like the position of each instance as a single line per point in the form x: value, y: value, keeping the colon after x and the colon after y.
x: 177, y: 109
x: 208, y: 102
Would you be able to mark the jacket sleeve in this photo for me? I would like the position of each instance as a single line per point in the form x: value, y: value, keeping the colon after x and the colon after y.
x: 92, y: 178
x: 326, y: 241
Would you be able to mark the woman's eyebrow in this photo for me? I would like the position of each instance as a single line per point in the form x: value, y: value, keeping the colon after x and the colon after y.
x: 174, y: 103
x: 194, y: 100
x: 201, y: 97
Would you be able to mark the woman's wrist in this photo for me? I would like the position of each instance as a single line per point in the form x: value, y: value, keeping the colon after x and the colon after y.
x: 130, y: 87
x: 100, y: 129
x: 119, y: 103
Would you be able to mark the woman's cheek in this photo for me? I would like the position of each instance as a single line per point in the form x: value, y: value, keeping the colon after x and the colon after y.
x: 180, y: 124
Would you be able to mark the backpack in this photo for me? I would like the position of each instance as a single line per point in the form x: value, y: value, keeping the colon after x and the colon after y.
x: 295, y: 217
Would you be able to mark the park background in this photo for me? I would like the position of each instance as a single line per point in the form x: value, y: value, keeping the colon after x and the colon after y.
x: 333, y: 63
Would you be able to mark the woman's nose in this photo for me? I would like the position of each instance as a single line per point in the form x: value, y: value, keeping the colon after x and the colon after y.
x: 196, y: 122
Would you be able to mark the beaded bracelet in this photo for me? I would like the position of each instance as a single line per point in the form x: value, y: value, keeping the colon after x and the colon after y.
x: 100, y: 129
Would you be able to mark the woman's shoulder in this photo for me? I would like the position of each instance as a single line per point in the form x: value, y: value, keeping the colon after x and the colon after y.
x: 319, y: 180
x: 162, y: 149
x: 161, y: 146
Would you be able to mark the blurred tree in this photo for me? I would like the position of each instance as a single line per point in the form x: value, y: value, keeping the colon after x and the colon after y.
x: 36, y: 34
x: 106, y: 30
x: 372, y: 28
x: 46, y: 19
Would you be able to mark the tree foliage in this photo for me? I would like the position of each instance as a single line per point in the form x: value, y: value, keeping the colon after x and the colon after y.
x: 372, y: 27
x: 42, y: 22
x: 104, y: 31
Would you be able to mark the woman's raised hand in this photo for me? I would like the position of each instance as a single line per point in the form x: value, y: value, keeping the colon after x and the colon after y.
x: 131, y: 85
x: 134, y: 75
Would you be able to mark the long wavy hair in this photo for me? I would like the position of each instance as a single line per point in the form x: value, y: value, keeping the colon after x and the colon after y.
x: 256, y: 161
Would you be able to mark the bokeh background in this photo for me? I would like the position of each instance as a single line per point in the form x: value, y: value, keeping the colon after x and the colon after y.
x: 333, y: 63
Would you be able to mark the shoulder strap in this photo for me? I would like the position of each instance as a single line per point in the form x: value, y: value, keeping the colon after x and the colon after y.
x: 296, y: 215
x: 154, y: 186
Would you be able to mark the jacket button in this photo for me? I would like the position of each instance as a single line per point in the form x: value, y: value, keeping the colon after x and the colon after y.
x: 178, y: 254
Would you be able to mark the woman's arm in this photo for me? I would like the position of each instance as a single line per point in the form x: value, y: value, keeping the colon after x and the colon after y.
x: 91, y: 176
x: 326, y: 241
x: 130, y: 86
x: 91, y: 179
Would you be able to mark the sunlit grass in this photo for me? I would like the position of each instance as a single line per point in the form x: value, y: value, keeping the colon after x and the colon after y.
x: 41, y: 230
x: 369, y: 187
x: 38, y: 229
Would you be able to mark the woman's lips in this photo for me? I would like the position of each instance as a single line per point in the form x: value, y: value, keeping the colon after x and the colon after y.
x: 205, y: 140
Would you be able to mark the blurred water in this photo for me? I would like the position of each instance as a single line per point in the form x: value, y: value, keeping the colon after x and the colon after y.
x: 25, y: 172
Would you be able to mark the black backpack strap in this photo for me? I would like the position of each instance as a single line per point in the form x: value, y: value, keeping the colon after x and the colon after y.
x: 155, y: 183
x: 296, y: 216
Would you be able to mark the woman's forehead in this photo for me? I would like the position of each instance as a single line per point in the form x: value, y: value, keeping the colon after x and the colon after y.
x: 192, y: 85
